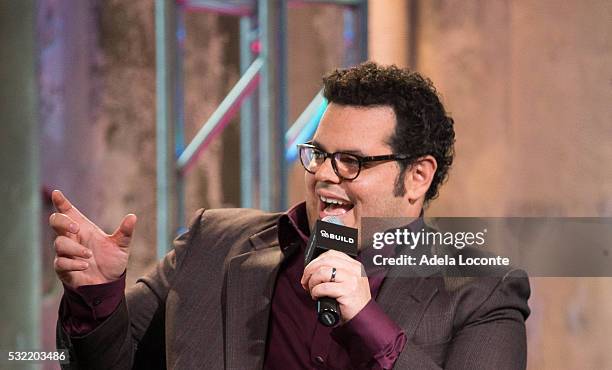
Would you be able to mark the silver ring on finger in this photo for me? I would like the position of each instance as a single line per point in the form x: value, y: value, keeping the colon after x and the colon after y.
x: 333, y: 275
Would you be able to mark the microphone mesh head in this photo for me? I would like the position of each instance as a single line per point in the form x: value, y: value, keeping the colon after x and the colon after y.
x: 333, y: 220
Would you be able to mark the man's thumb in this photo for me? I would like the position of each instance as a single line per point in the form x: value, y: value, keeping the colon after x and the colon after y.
x: 123, y: 234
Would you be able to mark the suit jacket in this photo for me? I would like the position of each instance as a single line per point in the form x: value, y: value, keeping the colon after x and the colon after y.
x: 206, y: 306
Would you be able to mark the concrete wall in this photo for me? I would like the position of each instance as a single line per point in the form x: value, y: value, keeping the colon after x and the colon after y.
x: 72, y: 155
x: 528, y: 84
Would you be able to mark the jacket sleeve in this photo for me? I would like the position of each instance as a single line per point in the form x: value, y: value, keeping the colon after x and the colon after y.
x: 133, y: 335
x: 492, y: 337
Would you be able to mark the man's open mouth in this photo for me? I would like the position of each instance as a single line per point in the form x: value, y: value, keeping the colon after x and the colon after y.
x: 333, y: 206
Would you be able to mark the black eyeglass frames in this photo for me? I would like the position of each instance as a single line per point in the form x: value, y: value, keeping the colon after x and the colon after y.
x: 346, y: 165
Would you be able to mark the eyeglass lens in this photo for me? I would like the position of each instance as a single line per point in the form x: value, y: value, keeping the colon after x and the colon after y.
x: 346, y: 165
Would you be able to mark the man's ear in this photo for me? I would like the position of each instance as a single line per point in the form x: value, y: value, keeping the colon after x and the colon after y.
x: 418, y: 178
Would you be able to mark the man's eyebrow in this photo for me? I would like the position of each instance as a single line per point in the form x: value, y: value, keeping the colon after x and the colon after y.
x: 350, y: 151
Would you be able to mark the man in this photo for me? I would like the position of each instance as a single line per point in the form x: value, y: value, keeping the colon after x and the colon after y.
x: 234, y: 293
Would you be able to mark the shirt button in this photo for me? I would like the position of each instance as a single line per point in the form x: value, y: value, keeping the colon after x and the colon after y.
x: 97, y: 301
x: 319, y: 359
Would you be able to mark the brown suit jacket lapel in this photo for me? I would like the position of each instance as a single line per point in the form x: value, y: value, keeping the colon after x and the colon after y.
x: 249, y: 288
x: 405, y: 299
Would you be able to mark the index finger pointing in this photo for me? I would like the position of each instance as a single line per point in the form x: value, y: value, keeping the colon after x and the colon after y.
x: 61, y: 203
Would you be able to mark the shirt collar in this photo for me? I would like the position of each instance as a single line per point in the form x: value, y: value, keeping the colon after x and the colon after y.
x: 293, y: 227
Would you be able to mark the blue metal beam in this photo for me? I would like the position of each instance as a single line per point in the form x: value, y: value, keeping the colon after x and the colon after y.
x: 247, y: 148
x: 272, y: 105
x: 304, y: 126
x: 165, y: 50
x: 362, y: 29
x: 179, y: 104
x: 355, y: 34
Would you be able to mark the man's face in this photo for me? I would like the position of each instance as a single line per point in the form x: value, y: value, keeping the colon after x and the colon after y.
x: 364, y: 132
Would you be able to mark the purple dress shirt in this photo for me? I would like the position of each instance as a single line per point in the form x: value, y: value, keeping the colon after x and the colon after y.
x: 296, y: 340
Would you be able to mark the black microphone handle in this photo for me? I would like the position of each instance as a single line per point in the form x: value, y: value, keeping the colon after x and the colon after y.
x: 328, y: 311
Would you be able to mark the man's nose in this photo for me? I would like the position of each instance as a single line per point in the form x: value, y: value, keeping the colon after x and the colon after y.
x: 326, y: 172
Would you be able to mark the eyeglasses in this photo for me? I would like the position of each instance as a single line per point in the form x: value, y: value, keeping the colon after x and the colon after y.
x: 346, y: 165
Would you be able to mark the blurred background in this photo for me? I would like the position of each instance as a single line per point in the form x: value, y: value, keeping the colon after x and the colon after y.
x: 163, y: 107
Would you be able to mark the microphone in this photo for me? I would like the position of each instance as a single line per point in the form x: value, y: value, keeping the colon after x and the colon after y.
x: 329, y: 233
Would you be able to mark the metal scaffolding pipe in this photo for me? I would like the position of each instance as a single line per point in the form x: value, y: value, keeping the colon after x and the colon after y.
x: 304, y: 126
x: 272, y: 105
x: 165, y: 114
x: 266, y: 162
x: 327, y: 2
x: 356, y: 34
x: 221, y: 116
x: 247, y: 148
x: 179, y: 104
x: 227, y: 7
x: 294, y: 131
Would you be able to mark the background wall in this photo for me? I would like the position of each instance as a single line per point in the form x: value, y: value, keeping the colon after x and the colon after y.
x: 529, y: 84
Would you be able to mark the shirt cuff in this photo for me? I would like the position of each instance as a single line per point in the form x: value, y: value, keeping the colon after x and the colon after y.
x: 371, y: 337
x: 84, y: 308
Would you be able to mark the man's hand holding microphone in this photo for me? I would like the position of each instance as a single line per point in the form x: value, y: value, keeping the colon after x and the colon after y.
x: 350, y: 286
x: 332, y: 275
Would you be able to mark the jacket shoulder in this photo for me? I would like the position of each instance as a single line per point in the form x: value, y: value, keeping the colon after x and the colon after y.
x: 228, y: 229
x: 232, y: 220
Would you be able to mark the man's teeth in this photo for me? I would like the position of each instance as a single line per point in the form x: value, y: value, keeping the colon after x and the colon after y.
x: 332, y: 201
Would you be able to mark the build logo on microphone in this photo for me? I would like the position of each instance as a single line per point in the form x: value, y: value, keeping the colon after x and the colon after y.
x: 342, y: 238
x: 338, y: 237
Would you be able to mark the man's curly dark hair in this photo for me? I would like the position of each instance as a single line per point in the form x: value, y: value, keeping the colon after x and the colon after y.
x: 423, y: 126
